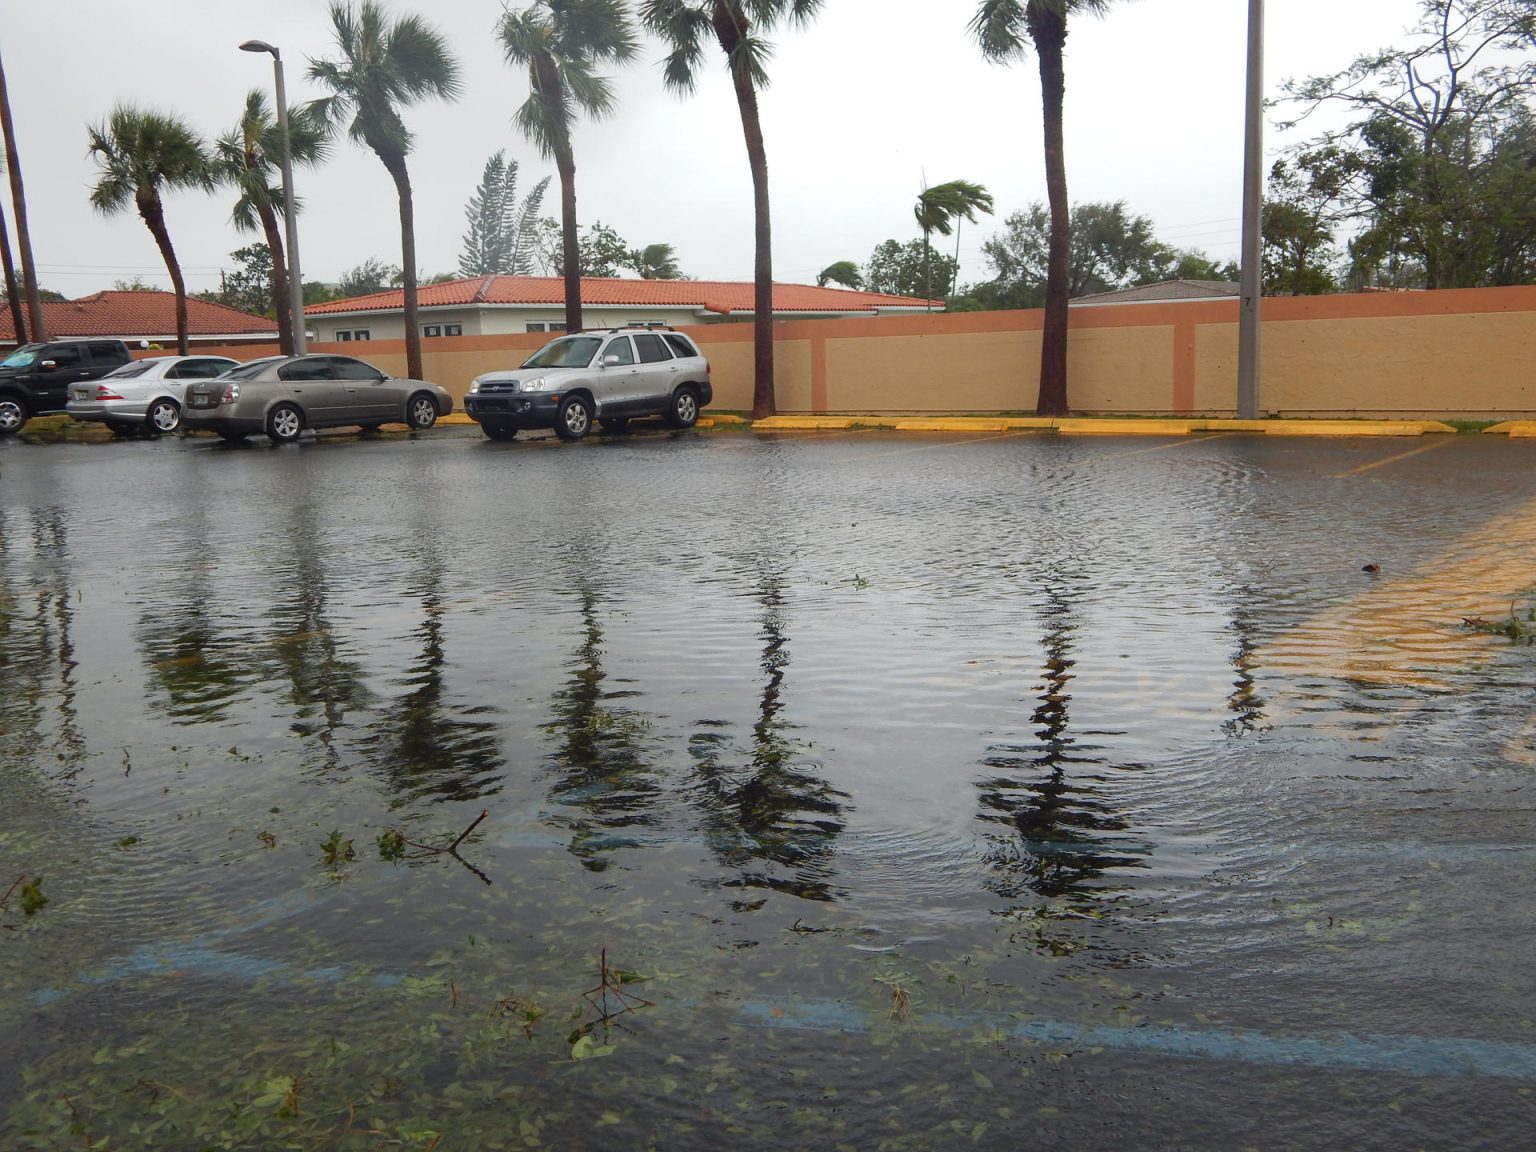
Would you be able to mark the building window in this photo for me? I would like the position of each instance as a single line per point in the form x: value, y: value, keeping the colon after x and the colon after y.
x: 533, y: 327
x: 360, y: 334
x: 431, y: 329
x: 343, y: 335
x: 557, y: 327
x: 453, y: 329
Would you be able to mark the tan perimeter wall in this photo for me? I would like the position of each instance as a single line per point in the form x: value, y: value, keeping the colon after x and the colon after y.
x: 1460, y: 353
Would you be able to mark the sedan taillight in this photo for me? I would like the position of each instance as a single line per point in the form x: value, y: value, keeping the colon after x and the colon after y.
x: 105, y: 393
x: 231, y: 393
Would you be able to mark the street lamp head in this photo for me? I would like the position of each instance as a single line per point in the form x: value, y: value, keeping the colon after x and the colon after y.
x: 260, y: 46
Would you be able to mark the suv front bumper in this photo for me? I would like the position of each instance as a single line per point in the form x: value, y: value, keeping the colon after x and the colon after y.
x: 519, y: 409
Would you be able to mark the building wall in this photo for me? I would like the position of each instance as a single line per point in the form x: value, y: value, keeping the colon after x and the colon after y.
x: 1457, y: 353
x: 489, y: 320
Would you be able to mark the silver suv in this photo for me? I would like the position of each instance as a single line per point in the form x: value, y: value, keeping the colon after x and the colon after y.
x: 609, y: 375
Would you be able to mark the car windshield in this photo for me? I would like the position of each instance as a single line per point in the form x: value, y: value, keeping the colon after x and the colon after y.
x: 22, y: 357
x: 251, y: 369
x: 572, y: 352
x: 137, y: 368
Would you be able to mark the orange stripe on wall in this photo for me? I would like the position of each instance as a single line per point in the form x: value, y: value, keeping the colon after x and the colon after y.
x: 818, y: 374
x: 1183, y: 368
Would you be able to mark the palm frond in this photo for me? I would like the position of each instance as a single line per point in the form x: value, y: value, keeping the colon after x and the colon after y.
x: 998, y: 28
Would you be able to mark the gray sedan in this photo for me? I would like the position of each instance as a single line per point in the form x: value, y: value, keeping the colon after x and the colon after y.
x: 283, y: 395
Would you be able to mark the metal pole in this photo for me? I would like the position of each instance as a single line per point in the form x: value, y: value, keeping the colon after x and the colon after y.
x: 290, y: 214
x: 1253, y: 240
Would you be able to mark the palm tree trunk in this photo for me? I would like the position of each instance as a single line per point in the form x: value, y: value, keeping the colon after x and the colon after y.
x: 153, y: 213
x: 570, y: 263
x: 18, y: 318
x: 727, y: 24
x: 280, y: 299
x: 395, y: 163
x: 19, y: 202
x: 1048, y: 30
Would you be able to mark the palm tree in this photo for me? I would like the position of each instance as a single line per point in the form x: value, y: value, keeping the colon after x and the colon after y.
x: 737, y: 26
x: 19, y: 203
x: 937, y: 208
x: 844, y: 272
x: 657, y: 262
x: 1000, y: 28
x: 139, y: 152
x: 386, y: 65
x: 561, y: 42
x: 250, y: 159
x: 8, y: 266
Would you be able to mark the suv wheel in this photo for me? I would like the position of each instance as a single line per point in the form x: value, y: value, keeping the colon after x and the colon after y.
x: 575, y: 419
x: 685, y: 407
x: 13, y: 414
x: 284, y: 423
x: 164, y: 416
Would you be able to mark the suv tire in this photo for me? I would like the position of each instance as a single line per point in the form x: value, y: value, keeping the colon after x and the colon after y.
x: 575, y: 418
x: 13, y: 414
x: 685, y: 407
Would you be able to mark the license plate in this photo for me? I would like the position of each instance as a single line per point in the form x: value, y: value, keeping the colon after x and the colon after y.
x: 202, y: 401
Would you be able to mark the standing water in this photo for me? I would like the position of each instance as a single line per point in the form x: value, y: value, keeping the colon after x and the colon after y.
x: 849, y: 791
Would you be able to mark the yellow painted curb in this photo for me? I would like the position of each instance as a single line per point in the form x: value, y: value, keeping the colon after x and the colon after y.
x: 1514, y: 428
x: 1092, y: 427
x: 961, y: 424
x: 1345, y: 428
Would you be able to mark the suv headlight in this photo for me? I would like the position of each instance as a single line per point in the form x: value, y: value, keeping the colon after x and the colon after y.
x: 474, y: 385
x: 537, y: 384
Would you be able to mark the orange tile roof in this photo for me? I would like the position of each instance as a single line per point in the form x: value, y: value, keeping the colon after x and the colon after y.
x: 139, y: 314
x: 719, y: 296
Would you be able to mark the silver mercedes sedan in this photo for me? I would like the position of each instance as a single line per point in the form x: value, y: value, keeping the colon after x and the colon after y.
x: 143, y: 395
x: 283, y: 395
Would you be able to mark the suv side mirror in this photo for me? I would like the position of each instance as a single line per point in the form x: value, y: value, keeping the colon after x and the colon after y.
x: 47, y: 365
x: 610, y: 360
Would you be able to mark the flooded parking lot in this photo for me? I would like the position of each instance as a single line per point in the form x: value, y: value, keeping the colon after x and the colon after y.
x: 849, y: 790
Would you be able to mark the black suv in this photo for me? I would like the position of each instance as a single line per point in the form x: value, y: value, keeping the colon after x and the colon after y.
x: 35, y: 378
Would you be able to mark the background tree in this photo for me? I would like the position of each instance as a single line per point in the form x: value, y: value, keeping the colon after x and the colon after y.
x: 249, y: 159
x: 137, y: 154
x: 602, y: 253
x: 248, y: 288
x: 562, y: 42
x: 501, y: 237
x: 655, y: 262
x: 1436, y: 166
x: 940, y: 208
x: 737, y: 26
x: 1000, y: 28
x: 135, y: 284
x: 898, y: 269
x: 1301, y: 212
x: 372, y: 275
x: 844, y: 272
x: 386, y: 65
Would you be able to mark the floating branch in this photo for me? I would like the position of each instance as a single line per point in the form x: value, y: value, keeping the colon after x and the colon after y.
x: 392, y: 845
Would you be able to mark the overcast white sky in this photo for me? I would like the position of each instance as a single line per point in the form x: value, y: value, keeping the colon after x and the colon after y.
x: 872, y: 98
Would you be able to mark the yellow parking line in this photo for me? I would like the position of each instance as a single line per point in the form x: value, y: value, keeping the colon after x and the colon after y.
x: 1393, y: 459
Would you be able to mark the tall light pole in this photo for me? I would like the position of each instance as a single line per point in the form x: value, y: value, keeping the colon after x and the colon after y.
x: 1253, y: 240
x: 290, y: 205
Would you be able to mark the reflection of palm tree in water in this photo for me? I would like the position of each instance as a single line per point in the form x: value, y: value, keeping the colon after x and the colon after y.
x: 1062, y: 833
x: 425, y: 750
x: 604, y: 784
x: 198, y: 666
x: 775, y: 823
x: 324, y: 686
x: 1244, y: 701
x: 33, y: 645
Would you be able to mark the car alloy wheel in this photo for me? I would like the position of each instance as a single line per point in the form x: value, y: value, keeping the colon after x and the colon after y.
x: 284, y: 424
x: 574, y: 420
x: 164, y: 416
x: 685, y: 407
x: 12, y: 415
x: 421, y: 412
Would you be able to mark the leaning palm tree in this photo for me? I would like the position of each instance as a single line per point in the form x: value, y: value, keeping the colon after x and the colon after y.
x: 23, y: 230
x: 737, y: 26
x: 250, y: 159
x: 138, y: 153
x: 561, y: 42
x: 938, y: 209
x: 1000, y: 28
x: 657, y: 262
x: 386, y: 65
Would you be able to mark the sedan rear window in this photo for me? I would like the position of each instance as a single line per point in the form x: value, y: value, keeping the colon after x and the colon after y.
x: 136, y: 368
x: 573, y: 352
x: 252, y: 369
